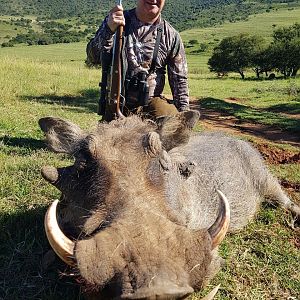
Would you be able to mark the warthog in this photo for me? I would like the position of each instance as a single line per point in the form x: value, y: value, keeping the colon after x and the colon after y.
x: 144, y: 203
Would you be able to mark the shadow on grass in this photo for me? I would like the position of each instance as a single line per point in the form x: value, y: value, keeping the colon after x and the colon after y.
x: 290, y: 108
x: 20, y: 146
x: 250, y: 78
x: 23, y: 246
x: 87, y: 101
x: 249, y: 114
x: 30, y: 143
x: 232, y: 78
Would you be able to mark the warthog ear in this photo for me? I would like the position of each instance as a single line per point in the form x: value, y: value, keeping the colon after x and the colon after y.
x: 152, y: 144
x: 61, y: 136
x: 175, y: 130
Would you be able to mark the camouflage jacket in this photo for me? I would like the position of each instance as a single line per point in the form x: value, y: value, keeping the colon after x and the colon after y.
x: 139, y: 43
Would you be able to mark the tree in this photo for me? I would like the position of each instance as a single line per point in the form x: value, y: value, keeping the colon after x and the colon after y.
x: 7, y: 44
x: 235, y: 54
x: 286, y: 34
x: 218, y: 62
x: 261, y: 61
x: 285, y: 50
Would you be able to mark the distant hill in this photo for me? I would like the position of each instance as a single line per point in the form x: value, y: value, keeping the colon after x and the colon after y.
x: 42, y: 22
x: 182, y: 14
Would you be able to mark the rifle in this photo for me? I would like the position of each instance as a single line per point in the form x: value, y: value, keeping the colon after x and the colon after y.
x: 113, y: 101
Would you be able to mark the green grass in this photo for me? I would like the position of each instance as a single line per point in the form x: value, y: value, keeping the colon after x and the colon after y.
x: 254, y: 115
x: 57, y: 53
x: 36, y: 84
x: 262, y: 261
x: 289, y: 172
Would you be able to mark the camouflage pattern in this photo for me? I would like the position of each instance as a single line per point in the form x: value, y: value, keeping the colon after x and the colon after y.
x: 140, y: 41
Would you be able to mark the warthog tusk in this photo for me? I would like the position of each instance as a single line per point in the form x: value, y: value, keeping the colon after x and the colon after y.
x: 219, y: 229
x: 212, y: 294
x: 62, y: 245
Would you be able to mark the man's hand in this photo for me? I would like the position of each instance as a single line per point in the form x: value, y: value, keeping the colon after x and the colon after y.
x: 116, y: 18
x: 183, y: 108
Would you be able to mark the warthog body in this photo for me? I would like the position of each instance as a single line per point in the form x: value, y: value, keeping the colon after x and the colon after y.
x: 140, y: 198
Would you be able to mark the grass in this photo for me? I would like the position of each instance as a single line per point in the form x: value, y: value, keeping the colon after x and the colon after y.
x: 57, y: 53
x: 262, y: 261
x: 260, y: 24
x: 290, y: 172
x: 254, y: 115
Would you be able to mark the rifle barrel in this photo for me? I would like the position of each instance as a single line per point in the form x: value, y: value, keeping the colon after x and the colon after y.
x: 119, y: 35
x: 116, y: 74
x: 114, y: 93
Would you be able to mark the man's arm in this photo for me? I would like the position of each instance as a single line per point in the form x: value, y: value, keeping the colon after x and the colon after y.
x: 177, y: 74
x: 103, y: 40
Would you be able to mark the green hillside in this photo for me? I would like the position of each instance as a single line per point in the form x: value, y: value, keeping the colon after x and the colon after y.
x: 261, y: 24
x: 178, y: 11
x: 182, y: 14
x: 43, y: 22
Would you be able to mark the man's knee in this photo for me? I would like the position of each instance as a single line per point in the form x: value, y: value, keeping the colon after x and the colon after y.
x: 158, y: 107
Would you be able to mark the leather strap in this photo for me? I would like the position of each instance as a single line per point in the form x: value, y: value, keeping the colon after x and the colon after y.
x: 155, y: 51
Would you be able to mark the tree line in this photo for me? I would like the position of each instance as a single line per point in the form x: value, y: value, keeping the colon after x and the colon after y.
x: 241, y: 52
x: 51, y: 33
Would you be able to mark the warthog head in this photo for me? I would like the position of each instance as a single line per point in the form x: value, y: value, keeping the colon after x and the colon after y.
x: 124, y: 238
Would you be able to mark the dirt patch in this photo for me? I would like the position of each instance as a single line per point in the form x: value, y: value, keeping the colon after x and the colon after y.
x: 292, y: 186
x: 296, y: 241
x: 292, y: 116
x: 235, y: 100
x: 215, y: 120
x: 277, y: 155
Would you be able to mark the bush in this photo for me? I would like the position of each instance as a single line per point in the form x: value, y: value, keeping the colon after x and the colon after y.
x: 193, y: 42
x: 7, y: 44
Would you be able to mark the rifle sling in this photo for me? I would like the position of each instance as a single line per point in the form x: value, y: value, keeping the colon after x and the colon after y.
x: 155, y: 51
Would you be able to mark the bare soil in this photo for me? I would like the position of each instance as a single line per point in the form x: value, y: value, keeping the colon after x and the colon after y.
x: 276, y: 155
x: 215, y: 120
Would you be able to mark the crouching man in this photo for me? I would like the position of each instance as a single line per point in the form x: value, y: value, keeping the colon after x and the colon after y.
x: 150, y: 46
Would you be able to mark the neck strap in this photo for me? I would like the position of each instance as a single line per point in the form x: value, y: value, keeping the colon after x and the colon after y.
x: 156, y: 48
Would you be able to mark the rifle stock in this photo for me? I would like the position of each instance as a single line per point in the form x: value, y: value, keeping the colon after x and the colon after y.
x: 114, y: 90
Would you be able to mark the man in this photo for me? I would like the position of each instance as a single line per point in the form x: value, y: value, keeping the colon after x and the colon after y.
x: 142, y: 32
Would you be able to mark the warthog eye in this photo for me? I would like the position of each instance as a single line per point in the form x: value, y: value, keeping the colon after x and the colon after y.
x: 186, y: 168
x: 80, y: 164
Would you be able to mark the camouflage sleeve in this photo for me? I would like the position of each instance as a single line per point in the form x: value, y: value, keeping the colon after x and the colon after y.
x: 177, y: 74
x: 102, y: 42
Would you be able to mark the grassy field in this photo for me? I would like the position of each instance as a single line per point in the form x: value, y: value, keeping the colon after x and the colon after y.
x: 261, y: 24
x: 262, y: 261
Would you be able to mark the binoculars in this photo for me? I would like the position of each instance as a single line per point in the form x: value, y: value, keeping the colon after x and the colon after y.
x: 137, y: 89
